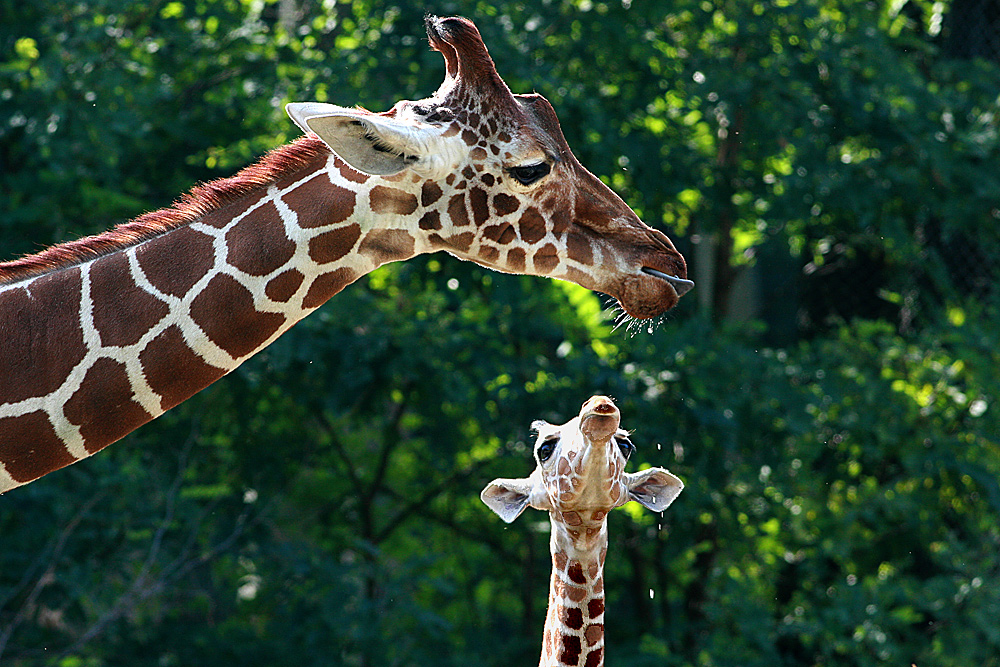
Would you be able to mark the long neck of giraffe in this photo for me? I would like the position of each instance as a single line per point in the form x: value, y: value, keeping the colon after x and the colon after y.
x: 574, y: 622
x: 101, y: 346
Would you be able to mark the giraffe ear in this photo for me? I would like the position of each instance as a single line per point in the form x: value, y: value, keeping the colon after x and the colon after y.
x: 371, y: 143
x: 507, y: 497
x: 654, y: 488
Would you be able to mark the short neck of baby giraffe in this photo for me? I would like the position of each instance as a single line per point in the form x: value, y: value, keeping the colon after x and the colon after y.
x: 574, y: 623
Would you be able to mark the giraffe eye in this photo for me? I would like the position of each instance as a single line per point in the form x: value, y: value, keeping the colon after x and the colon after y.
x: 625, y: 445
x: 546, y: 448
x: 527, y: 174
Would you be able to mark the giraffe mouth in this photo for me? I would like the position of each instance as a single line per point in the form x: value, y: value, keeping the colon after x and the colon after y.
x: 681, y: 286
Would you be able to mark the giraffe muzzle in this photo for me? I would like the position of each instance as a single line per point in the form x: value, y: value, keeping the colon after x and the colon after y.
x: 681, y: 286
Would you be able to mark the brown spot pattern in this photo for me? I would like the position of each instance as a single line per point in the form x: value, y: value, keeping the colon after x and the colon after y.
x: 578, y: 247
x: 430, y: 220
x: 532, y: 226
x: 479, y: 203
x: 103, y: 406
x: 560, y: 220
x: 41, y: 338
x: 320, y: 203
x: 460, y: 242
x: 502, y: 234
x: 258, y: 244
x: 350, y: 173
x: 594, y: 658
x: 392, y: 201
x: 571, y: 648
x: 594, y: 633
x: 456, y: 211
x: 546, y: 258
x: 516, y: 258
x: 489, y: 254
x: 575, y: 570
x: 505, y: 204
x: 29, y: 447
x: 469, y: 137
x: 389, y: 245
x: 430, y: 192
x: 227, y: 214
x: 572, y: 617
x: 334, y: 244
x: 595, y: 608
x: 174, y: 262
x: 173, y: 370
x: 122, y: 310
x: 327, y: 285
x: 282, y: 287
x: 225, y: 312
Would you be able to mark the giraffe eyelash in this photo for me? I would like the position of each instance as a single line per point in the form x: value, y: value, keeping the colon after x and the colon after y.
x: 380, y: 145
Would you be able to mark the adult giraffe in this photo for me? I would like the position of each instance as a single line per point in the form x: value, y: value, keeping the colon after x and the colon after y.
x: 579, y: 478
x: 100, y: 335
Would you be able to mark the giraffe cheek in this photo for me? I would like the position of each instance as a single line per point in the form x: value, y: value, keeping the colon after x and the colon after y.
x: 531, y: 226
x: 616, y: 495
x: 579, y: 249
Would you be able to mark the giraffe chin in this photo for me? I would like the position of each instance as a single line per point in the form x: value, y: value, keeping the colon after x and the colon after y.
x: 644, y: 296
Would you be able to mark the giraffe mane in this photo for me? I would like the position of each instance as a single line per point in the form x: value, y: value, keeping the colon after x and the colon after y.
x: 202, y: 200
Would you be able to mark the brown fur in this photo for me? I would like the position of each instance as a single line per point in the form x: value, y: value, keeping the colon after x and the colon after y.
x: 202, y: 200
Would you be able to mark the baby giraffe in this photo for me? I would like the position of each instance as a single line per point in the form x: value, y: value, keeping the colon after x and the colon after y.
x: 580, y: 478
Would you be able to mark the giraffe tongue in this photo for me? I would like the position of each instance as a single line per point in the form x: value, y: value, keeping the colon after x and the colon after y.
x: 680, y: 285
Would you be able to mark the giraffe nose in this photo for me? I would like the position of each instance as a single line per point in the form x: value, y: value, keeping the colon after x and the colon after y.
x: 599, y: 418
x: 602, y: 405
x: 604, y: 408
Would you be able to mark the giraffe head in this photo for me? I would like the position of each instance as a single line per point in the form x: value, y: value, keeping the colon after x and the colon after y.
x: 499, y: 185
x: 580, y: 474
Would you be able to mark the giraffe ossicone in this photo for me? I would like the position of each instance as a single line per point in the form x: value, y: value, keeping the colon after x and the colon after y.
x: 102, y: 334
x: 580, y: 477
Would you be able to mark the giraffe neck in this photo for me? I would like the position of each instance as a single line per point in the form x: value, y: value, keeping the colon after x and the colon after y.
x: 102, y: 345
x: 574, y: 622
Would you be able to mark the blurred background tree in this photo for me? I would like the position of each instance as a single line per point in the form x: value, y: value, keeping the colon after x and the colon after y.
x: 828, y: 393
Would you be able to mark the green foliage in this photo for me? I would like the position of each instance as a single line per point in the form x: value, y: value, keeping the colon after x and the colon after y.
x: 320, y: 505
